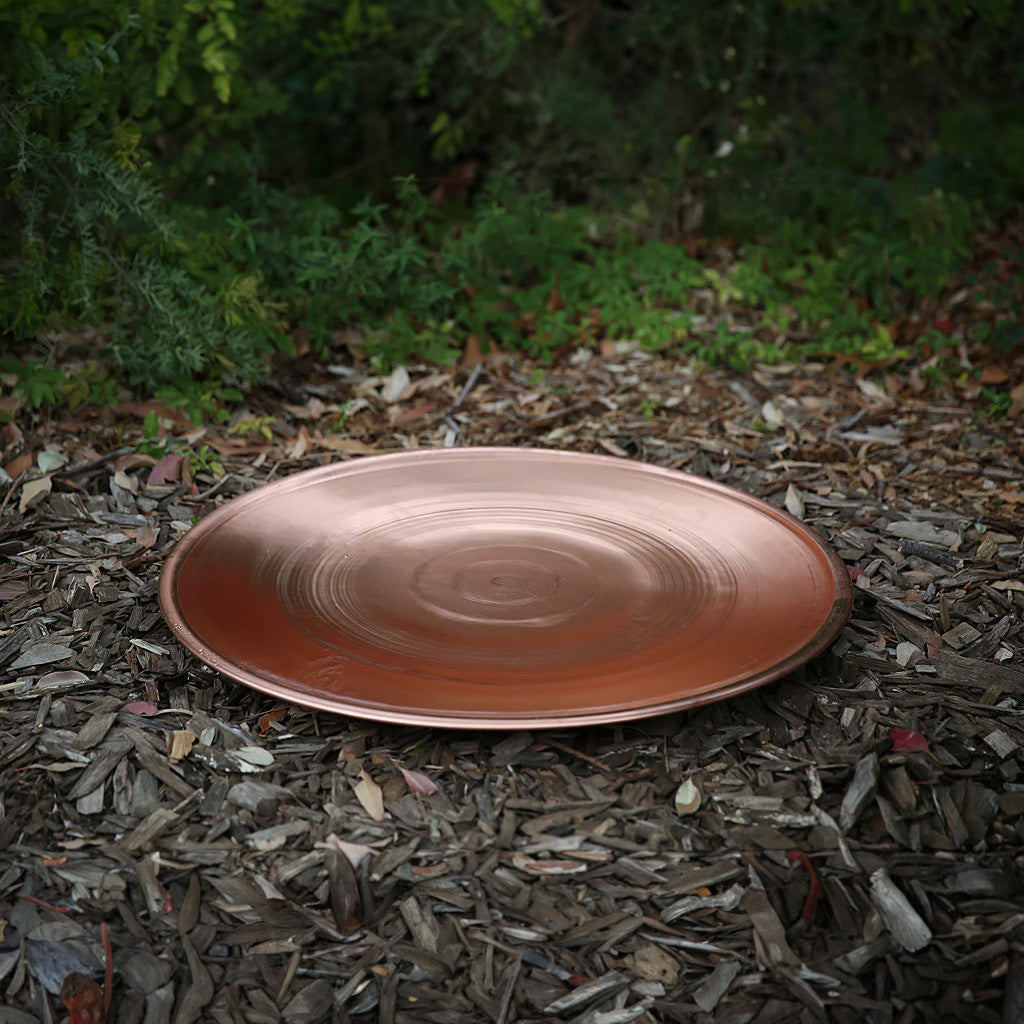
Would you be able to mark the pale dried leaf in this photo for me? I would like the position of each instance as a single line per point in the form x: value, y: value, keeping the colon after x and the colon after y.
x: 33, y: 492
x: 369, y: 794
x: 418, y: 782
x: 687, y: 798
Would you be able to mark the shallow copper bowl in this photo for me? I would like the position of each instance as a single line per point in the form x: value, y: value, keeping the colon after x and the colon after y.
x: 502, y: 588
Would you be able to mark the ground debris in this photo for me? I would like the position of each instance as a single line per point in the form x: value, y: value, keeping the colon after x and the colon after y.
x: 841, y: 845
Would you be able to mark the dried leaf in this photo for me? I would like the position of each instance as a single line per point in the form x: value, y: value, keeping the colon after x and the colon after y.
x: 346, y: 445
x: 140, y: 707
x: 267, y: 720
x: 906, y: 741
x: 346, y: 906
x: 310, y: 1005
x: 300, y: 445
x: 547, y: 867
x: 129, y: 483
x: 17, y: 466
x: 50, y: 461
x: 993, y: 374
x: 369, y: 794
x: 418, y: 782
x: 772, y: 415
x: 395, y: 385
x: 687, y: 797
x: 33, y: 492
x: 1016, y: 401
x: 253, y: 758
x: 83, y: 998
x: 794, y: 501
x: 166, y: 471
x: 471, y: 352
x: 200, y: 990
x: 62, y: 677
x: 355, y: 852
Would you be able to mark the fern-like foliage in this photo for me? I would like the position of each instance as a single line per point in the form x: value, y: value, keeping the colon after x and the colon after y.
x: 89, y: 238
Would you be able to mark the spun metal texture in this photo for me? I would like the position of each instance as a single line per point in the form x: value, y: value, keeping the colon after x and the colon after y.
x: 502, y: 588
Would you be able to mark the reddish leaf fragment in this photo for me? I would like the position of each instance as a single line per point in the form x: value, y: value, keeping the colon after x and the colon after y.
x: 431, y: 871
x: 266, y: 721
x: 140, y: 707
x: 147, y: 536
x: 1016, y: 401
x: 127, y: 463
x: 39, y: 903
x: 816, y: 891
x: 471, y: 353
x: 992, y: 374
x: 83, y: 998
x: 547, y: 867
x: 906, y: 741
x: 417, y: 412
x: 944, y: 325
x: 20, y: 465
x: 166, y: 471
x: 418, y: 782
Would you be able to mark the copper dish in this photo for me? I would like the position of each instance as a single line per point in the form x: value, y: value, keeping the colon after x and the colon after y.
x: 502, y: 588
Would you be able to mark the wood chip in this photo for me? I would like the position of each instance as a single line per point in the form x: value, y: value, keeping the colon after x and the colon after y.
x: 905, y: 924
x: 41, y: 654
x: 769, y: 933
x: 1001, y: 743
x: 613, y: 981
x: 708, y: 995
x: 960, y: 635
x: 860, y: 792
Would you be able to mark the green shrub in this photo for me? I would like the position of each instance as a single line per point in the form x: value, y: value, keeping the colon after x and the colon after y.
x: 90, y: 239
x: 197, y: 178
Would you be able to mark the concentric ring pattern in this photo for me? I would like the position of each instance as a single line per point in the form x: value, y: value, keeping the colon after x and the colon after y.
x: 496, y: 588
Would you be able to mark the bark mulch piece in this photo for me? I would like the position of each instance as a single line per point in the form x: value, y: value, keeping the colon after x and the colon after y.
x: 843, y: 845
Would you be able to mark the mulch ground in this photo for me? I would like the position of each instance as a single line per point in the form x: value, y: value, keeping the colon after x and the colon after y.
x: 843, y: 845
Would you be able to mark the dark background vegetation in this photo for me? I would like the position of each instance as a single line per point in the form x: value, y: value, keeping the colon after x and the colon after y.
x: 194, y: 186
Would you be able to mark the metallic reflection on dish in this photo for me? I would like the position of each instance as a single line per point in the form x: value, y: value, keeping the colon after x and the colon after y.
x: 502, y: 588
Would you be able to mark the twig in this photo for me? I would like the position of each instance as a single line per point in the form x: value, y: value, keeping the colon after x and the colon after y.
x: 596, y: 762
x: 108, y: 975
x: 557, y: 414
x: 932, y: 554
x: 467, y: 387
x: 10, y: 493
x: 210, y: 491
x: 43, y: 903
x: 84, y: 467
